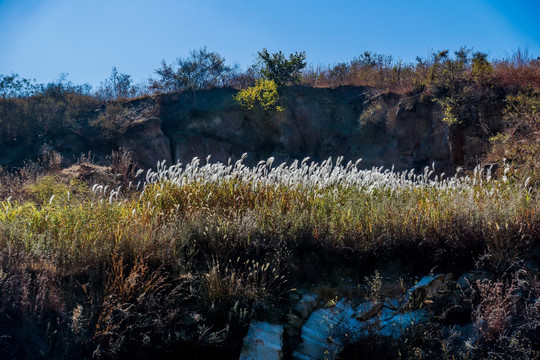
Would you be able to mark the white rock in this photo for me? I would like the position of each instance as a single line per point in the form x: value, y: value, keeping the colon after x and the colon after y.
x: 316, y: 335
x: 387, y: 314
x: 393, y: 304
x: 323, y: 332
x: 263, y: 341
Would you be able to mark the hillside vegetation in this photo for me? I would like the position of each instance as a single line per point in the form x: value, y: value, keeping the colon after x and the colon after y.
x: 104, y: 261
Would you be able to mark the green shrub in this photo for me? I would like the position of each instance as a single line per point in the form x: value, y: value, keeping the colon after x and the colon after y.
x: 281, y: 70
x: 44, y: 189
x: 203, y: 69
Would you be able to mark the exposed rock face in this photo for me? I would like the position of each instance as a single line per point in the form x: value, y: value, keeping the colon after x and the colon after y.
x: 355, y: 122
x: 306, y: 305
x: 145, y: 140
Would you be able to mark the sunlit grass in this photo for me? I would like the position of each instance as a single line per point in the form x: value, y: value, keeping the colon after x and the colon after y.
x: 337, y: 204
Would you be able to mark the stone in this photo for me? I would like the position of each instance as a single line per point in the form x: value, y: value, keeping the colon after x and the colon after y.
x: 263, y: 341
x: 399, y: 323
x: 393, y: 304
x: 323, y: 333
x: 326, y: 331
x: 291, y: 331
x: 387, y: 313
x: 295, y: 321
x: 367, y: 310
x: 427, y: 287
x: 147, y: 142
x: 306, y: 305
x: 316, y: 335
x: 294, y: 297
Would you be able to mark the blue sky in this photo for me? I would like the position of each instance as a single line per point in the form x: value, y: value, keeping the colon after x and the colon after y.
x: 43, y: 38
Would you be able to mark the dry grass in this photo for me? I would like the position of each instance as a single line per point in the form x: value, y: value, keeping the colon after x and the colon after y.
x: 508, y: 316
x: 187, y: 259
x: 383, y: 72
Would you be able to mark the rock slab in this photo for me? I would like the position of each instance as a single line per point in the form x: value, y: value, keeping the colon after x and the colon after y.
x: 306, y: 305
x: 263, y: 341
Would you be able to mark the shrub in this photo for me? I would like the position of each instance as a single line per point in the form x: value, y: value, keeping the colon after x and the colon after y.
x: 112, y: 121
x: 48, y: 109
x: 48, y: 186
x: 518, y: 145
x: 282, y: 71
x: 263, y: 96
x: 117, y: 86
x: 13, y: 86
x: 202, y: 70
x: 507, y: 316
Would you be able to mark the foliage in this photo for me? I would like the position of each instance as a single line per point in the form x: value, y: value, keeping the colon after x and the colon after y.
x: 481, y: 67
x: 435, y: 74
x: 449, y: 106
x: 462, y: 84
x: 518, y: 144
x: 51, y: 188
x: 182, y: 262
x: 280, y: 70
x: 507, y: 316
x: 13, y: 86
x: 112, y: 120
x: 277, y: 71
x: 49, y: 109
x: 202, y: 70
x: 117, y: 86
x: 263, y: 95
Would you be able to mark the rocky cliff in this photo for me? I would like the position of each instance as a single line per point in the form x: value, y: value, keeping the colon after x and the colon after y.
x: 354, y: 122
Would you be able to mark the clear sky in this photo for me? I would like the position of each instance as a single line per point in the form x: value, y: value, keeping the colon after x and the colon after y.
x: 43, y: 38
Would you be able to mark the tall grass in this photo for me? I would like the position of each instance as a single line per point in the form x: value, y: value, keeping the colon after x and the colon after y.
x: 200, y: 248
x: 345, y: 206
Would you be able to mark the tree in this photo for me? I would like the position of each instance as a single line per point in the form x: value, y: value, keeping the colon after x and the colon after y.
x: 281, y: 70
x: 167, y: 80
x: 13, y: 86
x: 117, y: 86
x: 202, y: 70
x: 481, y: 67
